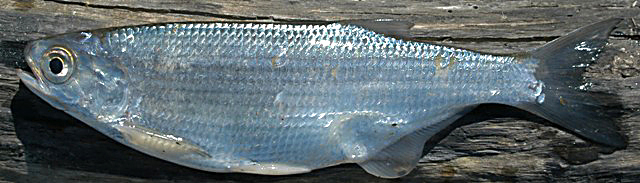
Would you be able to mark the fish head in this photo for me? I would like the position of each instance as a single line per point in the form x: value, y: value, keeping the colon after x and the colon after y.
x: 74, y: 73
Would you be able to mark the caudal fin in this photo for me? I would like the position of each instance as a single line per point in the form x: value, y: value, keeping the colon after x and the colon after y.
x: 567, y: 99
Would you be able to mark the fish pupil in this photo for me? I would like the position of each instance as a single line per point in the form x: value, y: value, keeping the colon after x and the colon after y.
x: 55, y: 65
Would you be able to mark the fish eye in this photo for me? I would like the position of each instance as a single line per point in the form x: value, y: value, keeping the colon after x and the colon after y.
x: 57, y: 64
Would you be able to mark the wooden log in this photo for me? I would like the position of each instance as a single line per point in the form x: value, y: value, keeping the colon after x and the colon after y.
x: 493, y: 143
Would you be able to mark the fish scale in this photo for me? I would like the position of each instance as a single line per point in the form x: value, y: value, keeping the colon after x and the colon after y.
x: 284, y: 99
x: 303, y: 93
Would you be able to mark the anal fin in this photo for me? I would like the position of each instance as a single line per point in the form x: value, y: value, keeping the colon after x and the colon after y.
x: 162, y: 145
x: 399, y: 158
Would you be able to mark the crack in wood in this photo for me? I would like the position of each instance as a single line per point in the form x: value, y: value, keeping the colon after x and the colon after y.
x: 173, y: 11
x: 486, y: 39
x: 507, y: 40
x: 12, y: 54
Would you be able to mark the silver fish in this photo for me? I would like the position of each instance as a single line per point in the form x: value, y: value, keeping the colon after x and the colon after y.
x: 285, y: 99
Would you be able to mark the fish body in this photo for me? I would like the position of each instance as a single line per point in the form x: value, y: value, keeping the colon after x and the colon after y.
x: 284, y: 99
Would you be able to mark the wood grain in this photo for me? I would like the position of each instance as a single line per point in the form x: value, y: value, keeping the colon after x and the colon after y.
x: 493, y: 143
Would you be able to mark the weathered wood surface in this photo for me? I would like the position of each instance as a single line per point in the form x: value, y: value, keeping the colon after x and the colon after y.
x: 496, y: 143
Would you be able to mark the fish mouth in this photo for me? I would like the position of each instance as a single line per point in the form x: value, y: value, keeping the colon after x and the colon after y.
x: 33, y: 80
x: 37, y: 86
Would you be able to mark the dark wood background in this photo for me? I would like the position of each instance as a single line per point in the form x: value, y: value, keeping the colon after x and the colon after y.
x: 493, y: 143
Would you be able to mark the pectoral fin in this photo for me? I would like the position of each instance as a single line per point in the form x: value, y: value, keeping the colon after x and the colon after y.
x: 162, y: 145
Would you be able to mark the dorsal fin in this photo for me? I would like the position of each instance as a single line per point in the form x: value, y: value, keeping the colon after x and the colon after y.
x: 388, y: 27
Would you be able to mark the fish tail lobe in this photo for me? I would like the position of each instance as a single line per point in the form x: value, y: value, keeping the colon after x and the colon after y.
x: 566, y: 98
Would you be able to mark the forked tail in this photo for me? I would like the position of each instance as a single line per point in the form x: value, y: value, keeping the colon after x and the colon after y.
x: 568, y: 101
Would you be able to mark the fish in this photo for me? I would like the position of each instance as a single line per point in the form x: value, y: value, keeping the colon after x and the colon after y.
x: 279, y: 99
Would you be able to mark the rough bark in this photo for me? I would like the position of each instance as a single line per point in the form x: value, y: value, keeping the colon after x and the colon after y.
x: 493, y: 143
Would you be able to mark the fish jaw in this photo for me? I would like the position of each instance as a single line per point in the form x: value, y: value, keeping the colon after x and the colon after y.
x: 34, y: 80
x: 38, y: 87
